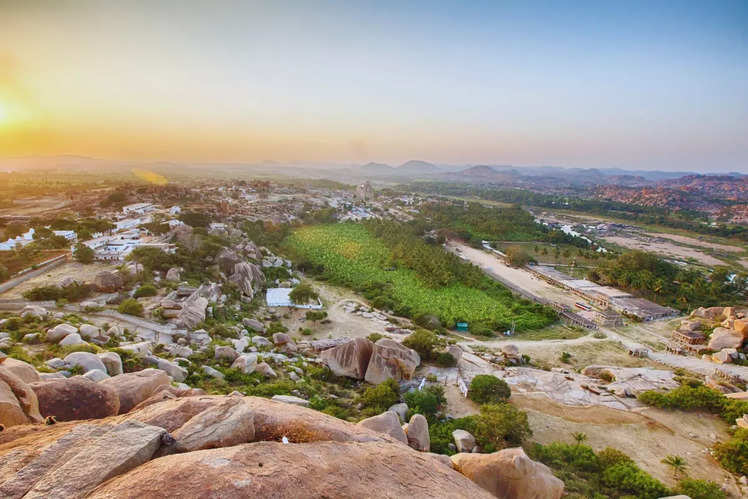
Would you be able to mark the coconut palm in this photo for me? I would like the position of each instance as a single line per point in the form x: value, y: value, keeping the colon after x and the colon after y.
x: 677, y: 463
x: 579, y: 437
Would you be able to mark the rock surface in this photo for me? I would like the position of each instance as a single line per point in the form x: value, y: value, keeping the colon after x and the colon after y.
x: 388, y: 422
x: 417, y: 433
x: 108, y: 282
x: 725, y: 338
x: 390, y: 359
x: 18, y: 402
x: 133, y: 388
x: 510, y: 474
x: 75, y: 398
x: 350, y: 359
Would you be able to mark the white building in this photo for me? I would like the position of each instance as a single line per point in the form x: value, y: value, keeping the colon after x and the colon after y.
x: 70, y: 235
x: 18, y: 241
x: 131, y: 223
x: 138, y: 208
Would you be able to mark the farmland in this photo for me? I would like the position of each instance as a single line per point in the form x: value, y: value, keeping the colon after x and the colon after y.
x: 350, y: 255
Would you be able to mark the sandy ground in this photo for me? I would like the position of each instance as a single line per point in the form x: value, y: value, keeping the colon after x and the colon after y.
x: 671, y: 250
x: 34, y: 205
x: 85, y: 273
x: 698, y: 242
x: 517, y: 277
x: 341, y: 323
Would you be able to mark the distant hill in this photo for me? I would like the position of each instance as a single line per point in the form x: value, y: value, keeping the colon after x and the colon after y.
x: 416, y: 167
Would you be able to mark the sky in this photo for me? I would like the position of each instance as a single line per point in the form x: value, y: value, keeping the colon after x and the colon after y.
x: 640, y: 85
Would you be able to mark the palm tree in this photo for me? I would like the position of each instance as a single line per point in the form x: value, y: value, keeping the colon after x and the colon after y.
x: 579, y: 437
x: 677, y: 463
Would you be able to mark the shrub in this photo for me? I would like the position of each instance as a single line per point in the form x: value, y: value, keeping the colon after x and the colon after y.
x: 609, y: 457
x: 422, y: 341
x: 569, y: 457
x: 733, y: 454
x: 499, y: 426
x: 440, y: 433
x: 381, y: 397
x: 315, y: 315
x: 629, y: 478
x: 486, y: 389
x: 699, y: 489
x: 374, y: 337
x: 145, y: 290
x: 83, y: 253
x: 130, y: 306
x: 426, y: 401
x: 698, y: 397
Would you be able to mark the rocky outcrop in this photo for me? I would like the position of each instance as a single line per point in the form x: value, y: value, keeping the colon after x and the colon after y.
x: 390, y: 359
x: 69, y: 399
x: 388, y: 422
x: 510, y: 474
x: 18, y: 402
x: 725, y: 338
x: 112, y: 362
x: 241, y: 455
x: 322, y: 469
x: 464, y: 441
x: 133, y: 388
x: 350, y: 359
x: 108, y: 282
x: 246, y: 363
x: 248, y: 277
x: 193, y: 311
x: 85, y: 360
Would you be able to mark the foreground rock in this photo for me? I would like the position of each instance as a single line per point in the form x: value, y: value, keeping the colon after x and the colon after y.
x: 388, y: 422
x: 230, y: 422
x: 510, y: 474
x: 133, y: 388
x: 320, y: 469
x: 390, y: 359
x: 725, y: 338
x: 69, y: 399
x: 349, y: 359
x: 417, y: 433
x: 18, y: 402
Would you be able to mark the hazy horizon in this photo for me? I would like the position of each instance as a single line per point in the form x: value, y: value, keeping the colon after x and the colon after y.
x: 636, y: 86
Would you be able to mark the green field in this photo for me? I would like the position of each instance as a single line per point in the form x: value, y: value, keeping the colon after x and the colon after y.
x: 350, y: 255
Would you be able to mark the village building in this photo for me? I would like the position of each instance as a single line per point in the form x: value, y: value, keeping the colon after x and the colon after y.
x: 138, y: 209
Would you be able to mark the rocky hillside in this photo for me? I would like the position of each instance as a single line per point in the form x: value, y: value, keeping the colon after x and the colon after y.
x: 181, y: 443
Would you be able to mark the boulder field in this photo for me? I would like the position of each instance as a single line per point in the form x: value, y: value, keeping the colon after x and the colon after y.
x: 182, y: 444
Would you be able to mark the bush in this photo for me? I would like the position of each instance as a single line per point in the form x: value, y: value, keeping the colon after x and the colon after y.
x: 381, y: 397
x: 576, y: 458
x: 699, y: 489
x: 145, y: 290
x: 487, y: 389
x: 440, y: 433
x: 499, y: 426
x: 374, y: 337
x: 83, y: 253
x: 733, y: 454
x: 131, y: 306
x: 315, y: 315
x: 427, y: 401
x: 697, y: 397
x: 628, y: 478
x: 422, y: 341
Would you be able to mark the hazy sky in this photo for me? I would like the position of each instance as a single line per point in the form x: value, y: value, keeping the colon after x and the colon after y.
x: 638, y: 85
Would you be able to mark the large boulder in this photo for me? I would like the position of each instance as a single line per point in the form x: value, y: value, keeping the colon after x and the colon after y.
x: 108, y: 282
x: 390, y: 359
x: 112, y: 362
x: 88, y: 331
x: 417, y: 433
x: 320, y: 469
x: 74, y: 398
x: 122, y: 448
x: 510, y: 474
x: 230, y: 422
x: 741, y: 326
x: 193, y: 311
x: 23, y: 370
x: 290, y: 399
x: 388, y: 422
x: 86, y: 360
x: 174, y: 274
x: 57, y: 333
x: 226, y: 353
x: 248, y: 277
x: 253, y: 324
x: 72, y: 340
x: 133, y: 388
x: 725, y: 338
x: 464, y: 440
x: 18, y: 402
x: 246, y: 363
x: 35, y: 311
x: 350, y: 359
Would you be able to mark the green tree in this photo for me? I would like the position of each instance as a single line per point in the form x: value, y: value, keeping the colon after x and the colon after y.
x: 379, y: 398
x: 83, y: 253
x: 501, y: 425
x: 302, y: 294
x: 579, y: 437
x: 517, y: 257
x: 487, y: 389
x: 699, y: 489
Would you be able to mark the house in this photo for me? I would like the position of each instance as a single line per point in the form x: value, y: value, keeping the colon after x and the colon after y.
x: 18, y: 241
x: 138, y: 208
x: 70, y: 235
